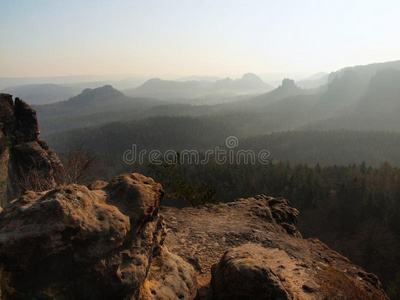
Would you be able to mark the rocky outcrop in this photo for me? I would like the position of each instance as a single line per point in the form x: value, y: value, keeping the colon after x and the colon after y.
x: 75, y: 243
x: 25, y: 159
x: 109, y: 241
x: 251, y: 249
x: 288, y: 83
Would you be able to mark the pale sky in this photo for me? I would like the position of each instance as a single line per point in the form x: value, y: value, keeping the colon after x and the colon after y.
x: 188, y: 37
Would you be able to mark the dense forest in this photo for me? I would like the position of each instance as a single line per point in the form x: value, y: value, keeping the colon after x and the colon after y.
x: 336, y: 147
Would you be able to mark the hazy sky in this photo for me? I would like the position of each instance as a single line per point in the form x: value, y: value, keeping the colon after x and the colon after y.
x: 186, y: 37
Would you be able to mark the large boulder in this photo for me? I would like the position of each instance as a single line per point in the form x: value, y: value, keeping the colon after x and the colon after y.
x: 73, y: 242
x: 26, y: 161
x: 245, y: 271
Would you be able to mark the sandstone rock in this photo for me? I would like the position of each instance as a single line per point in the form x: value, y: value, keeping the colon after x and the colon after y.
x: 60, y: 220
x: 261, y: 251
x: 170, y: 277
x: 76, y: 243
x: 25, y: 153
x: 97, y: 185
x: 135, y: 186
x: 245, y: 271
x: 27, y: 129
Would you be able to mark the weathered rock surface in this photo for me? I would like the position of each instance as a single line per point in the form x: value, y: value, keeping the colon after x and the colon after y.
x: 23, y: 152
x: 170, y: 277
x: 106, y: 243
x: 246, y: 271
x: 263, y: 254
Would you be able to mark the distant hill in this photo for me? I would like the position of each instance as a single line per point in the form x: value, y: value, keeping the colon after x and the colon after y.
x: 366, y: 71
x: 377, y: 109
x: 314, y: 81
x: 286, y: 107
x: 382, y: 96
x: 41, y: 93
x: 92, y: 99
x: 346, y: 86
x: 91, y: 107
x: 199, y: 78
x: 288, y: 88
x: 249, y: 83
x: 355, y: 98
x: 170, y: 89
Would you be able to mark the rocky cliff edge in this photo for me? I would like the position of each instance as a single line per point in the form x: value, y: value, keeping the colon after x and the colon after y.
x: 114, y: 241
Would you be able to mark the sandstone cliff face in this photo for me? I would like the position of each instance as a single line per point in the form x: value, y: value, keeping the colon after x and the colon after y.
x: 22, y: 151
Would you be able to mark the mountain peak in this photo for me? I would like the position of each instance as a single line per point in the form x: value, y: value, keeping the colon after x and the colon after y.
x: 101, y: 90
x: 288, y: 83
x: 100, y: 94
x: 251, y: 77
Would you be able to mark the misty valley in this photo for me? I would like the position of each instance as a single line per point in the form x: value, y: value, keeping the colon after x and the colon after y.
x: 212, y: 150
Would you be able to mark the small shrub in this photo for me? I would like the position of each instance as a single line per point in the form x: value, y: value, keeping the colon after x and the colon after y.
x: 80, y: 167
